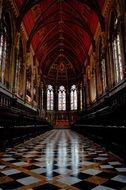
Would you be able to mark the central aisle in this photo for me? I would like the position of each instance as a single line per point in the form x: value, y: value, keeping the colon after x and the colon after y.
x: 61, y: 160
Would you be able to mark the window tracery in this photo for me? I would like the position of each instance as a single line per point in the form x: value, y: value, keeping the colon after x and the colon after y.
x: 4, y: 55
x: 73, y: 97
x: 62, y: 98
x: 50, y: 97
x: 19, y: 69
x: 115, y: 36
x: 102, y: 66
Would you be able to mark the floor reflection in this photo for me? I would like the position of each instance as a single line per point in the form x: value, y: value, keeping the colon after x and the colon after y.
x: 66, y: 151
x: 60, y: 160
x: 75, y: 156
x: 49, y: 158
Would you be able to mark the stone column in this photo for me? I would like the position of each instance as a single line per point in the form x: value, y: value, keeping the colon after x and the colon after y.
x: 27, y: 60
x: 38, y: 91
x: 24, y: 81
x: 78, y: 97
x: 68, y: 103
x: 40, y: 98
x: 96, y: 63
x: 81, y: 96
x: 45, y: 97
x: 56, y: 98
x: 67, y: 98
x: 84, y: 99
x: 32, y: 85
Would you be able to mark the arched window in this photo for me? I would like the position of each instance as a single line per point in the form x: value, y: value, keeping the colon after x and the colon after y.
x: 28, y: 84
x: 5, y: 44
x: 73, y: 97
x: 35, y: 85
x: 50, y: 97
x: 61, y: 98
x: 115, y: 38
x: 102, y: 66
x: 3, y: 53
x: 19, y: 70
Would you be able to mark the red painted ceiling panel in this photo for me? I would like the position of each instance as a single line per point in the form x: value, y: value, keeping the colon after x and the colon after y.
x: 60, y: 27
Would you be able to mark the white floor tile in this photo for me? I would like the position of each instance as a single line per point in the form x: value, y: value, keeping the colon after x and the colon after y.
x: 100, y: 187
x: 121, y: 169
x: 92, y: 171
x: 69, y: 180
x: 28, y: 180
x: 7, y: 159
x: 19, y: 163
x: 114, y: 163
x: 2, y: 167
x: 39, y: 170
x: 100, y: 158
x: 62, y: 171
x: 11, y: 171
x: 120, y: 178
x: 106, y: 166
x: 86, y: 163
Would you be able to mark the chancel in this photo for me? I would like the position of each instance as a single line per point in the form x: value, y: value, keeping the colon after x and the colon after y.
x: 63, y: 94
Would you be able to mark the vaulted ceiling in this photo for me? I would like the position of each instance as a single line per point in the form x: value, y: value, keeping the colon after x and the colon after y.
x: 60, y: 32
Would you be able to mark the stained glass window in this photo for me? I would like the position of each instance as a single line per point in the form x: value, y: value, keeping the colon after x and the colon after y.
x: 19, y: 70
x: 116, y: 48
x: 28, y: 84
x: 5, y: 50
x: 102, y: 67
x: 73, y: 97
x: 50, y: 97
x: 61, y: 98
x: 3, y: 53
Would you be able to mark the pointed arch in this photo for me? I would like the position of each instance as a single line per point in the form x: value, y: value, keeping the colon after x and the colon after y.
x: 62, y: 98
x: 5, y: 49
x: 50, y: 98
x: 73, y: 97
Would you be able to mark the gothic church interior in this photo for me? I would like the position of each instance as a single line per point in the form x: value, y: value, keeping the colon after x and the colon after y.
x: 63, y: 81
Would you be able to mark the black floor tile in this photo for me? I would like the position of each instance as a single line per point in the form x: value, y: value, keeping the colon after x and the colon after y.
x: 31, y: 167
x: 19, y: 176
x: 1, y: 174
x: 10, y: 185
x: 106, y: 175
x: 84, y: 185
x: 53, y: 174
x: 114, y: 184
x: 47, y: 187
x: 81, y: 175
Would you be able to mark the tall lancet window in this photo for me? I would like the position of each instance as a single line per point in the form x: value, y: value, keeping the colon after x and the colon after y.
x: 61, y: 98
x: 117, y: 50
x: 73, y: 97
x: 50, y: 97
x: 102, y: 66
x: 19, y: 75
x: 5, y: 44
x: 3, y: 53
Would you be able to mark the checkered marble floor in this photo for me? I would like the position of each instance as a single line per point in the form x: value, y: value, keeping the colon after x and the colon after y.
x: 61, y: 160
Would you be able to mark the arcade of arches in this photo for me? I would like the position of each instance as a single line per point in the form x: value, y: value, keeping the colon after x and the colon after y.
x: 62, y: 65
